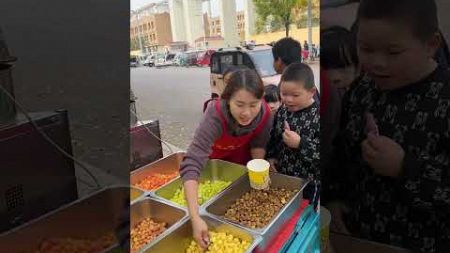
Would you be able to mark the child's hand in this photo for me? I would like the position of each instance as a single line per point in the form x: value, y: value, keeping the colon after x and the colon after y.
x: 384, y: 155
x: 337, y: 211
x: 290, y: 138
x: 273, y: 167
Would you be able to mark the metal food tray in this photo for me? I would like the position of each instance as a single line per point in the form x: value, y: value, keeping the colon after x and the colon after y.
x: 158, y: 211
x: 89, y: 217
x: 135, y: 194
x: 214, y: 170
x: 179, y: 239
x: 168, y: 164
x: 227, y: 198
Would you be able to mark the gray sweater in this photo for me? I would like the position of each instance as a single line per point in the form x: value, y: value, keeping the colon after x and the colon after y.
x: 210, y: 129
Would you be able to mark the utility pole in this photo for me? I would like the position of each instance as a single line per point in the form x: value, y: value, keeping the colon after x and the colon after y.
x: 310, y: 27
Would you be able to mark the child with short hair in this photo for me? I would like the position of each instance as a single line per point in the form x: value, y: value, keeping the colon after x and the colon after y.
x: 286, y: 51
x: 339, y: 69
x: 293, y: 148
x: 394, y: 158
x: 339, y: 59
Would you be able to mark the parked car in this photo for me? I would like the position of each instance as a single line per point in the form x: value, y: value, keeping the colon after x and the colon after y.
x: 179, y: 59
x: 204, y: 58
x: 165, y: 61
x: 258, y: 57
x: 191, y: 58
x: 150, y: 61
x: 133, y: 62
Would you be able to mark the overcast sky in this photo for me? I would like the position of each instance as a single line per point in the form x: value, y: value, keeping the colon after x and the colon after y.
x: 134, y: 4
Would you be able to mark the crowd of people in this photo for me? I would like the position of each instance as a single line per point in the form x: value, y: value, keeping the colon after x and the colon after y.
x: 279, y: 123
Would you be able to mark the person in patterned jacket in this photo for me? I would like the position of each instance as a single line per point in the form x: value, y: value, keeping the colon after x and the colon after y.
x: 392, y: 174
x: 293, y: 148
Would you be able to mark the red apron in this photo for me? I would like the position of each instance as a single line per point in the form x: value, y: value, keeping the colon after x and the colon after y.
x: 235, y: 149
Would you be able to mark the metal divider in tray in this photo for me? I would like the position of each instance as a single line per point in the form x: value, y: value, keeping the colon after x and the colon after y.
x: 220, y: 205
x: 180, y: 237
x: 166, y: 165
x: 88, y: 218
x: 136, y: 194
x: 213, y: 170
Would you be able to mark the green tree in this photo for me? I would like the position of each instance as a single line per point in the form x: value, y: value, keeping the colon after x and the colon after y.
x: 285, y: 12
x: 261, y: 23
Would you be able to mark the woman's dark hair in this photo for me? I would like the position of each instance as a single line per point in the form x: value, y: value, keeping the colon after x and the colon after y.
x: 420, y: 15
x: 299, y: 72
x: 246, y: 79
x: 338, y: 48
x: 288, y: 50
x: 272, y: 93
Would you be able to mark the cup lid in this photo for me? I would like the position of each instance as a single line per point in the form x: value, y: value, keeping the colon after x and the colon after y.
x: 258, y: 165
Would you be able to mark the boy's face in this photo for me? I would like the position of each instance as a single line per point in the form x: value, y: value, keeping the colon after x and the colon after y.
x: 341, y: 77
x: 392, y: 54
x: 295, y: 96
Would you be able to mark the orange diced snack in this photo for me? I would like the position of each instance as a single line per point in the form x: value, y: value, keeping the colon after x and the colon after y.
x: 155, y: 181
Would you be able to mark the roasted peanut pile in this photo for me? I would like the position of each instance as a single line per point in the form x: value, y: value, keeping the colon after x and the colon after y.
x: 221, y: 242
x: 144, y: 232
x: 156, y: 180
x: 76, y: 245
x: 256, y: 208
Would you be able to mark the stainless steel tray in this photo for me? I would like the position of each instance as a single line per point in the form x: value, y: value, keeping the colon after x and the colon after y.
x: 158, y: 211
x: 227, y: 198
x: 214, y: 170
x: 168, y: 164
x: 178, y: 240
x: 90, y: 217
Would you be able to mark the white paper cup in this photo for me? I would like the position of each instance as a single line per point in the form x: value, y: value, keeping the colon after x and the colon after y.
x: 258, y: 172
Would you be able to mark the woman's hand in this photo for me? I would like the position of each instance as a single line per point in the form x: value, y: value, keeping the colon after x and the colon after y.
x: 200, y: 232
x: 199, y: 227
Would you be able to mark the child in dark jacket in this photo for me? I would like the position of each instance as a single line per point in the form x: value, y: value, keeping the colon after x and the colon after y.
x: 293, y: 148
x: 394, y: 153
